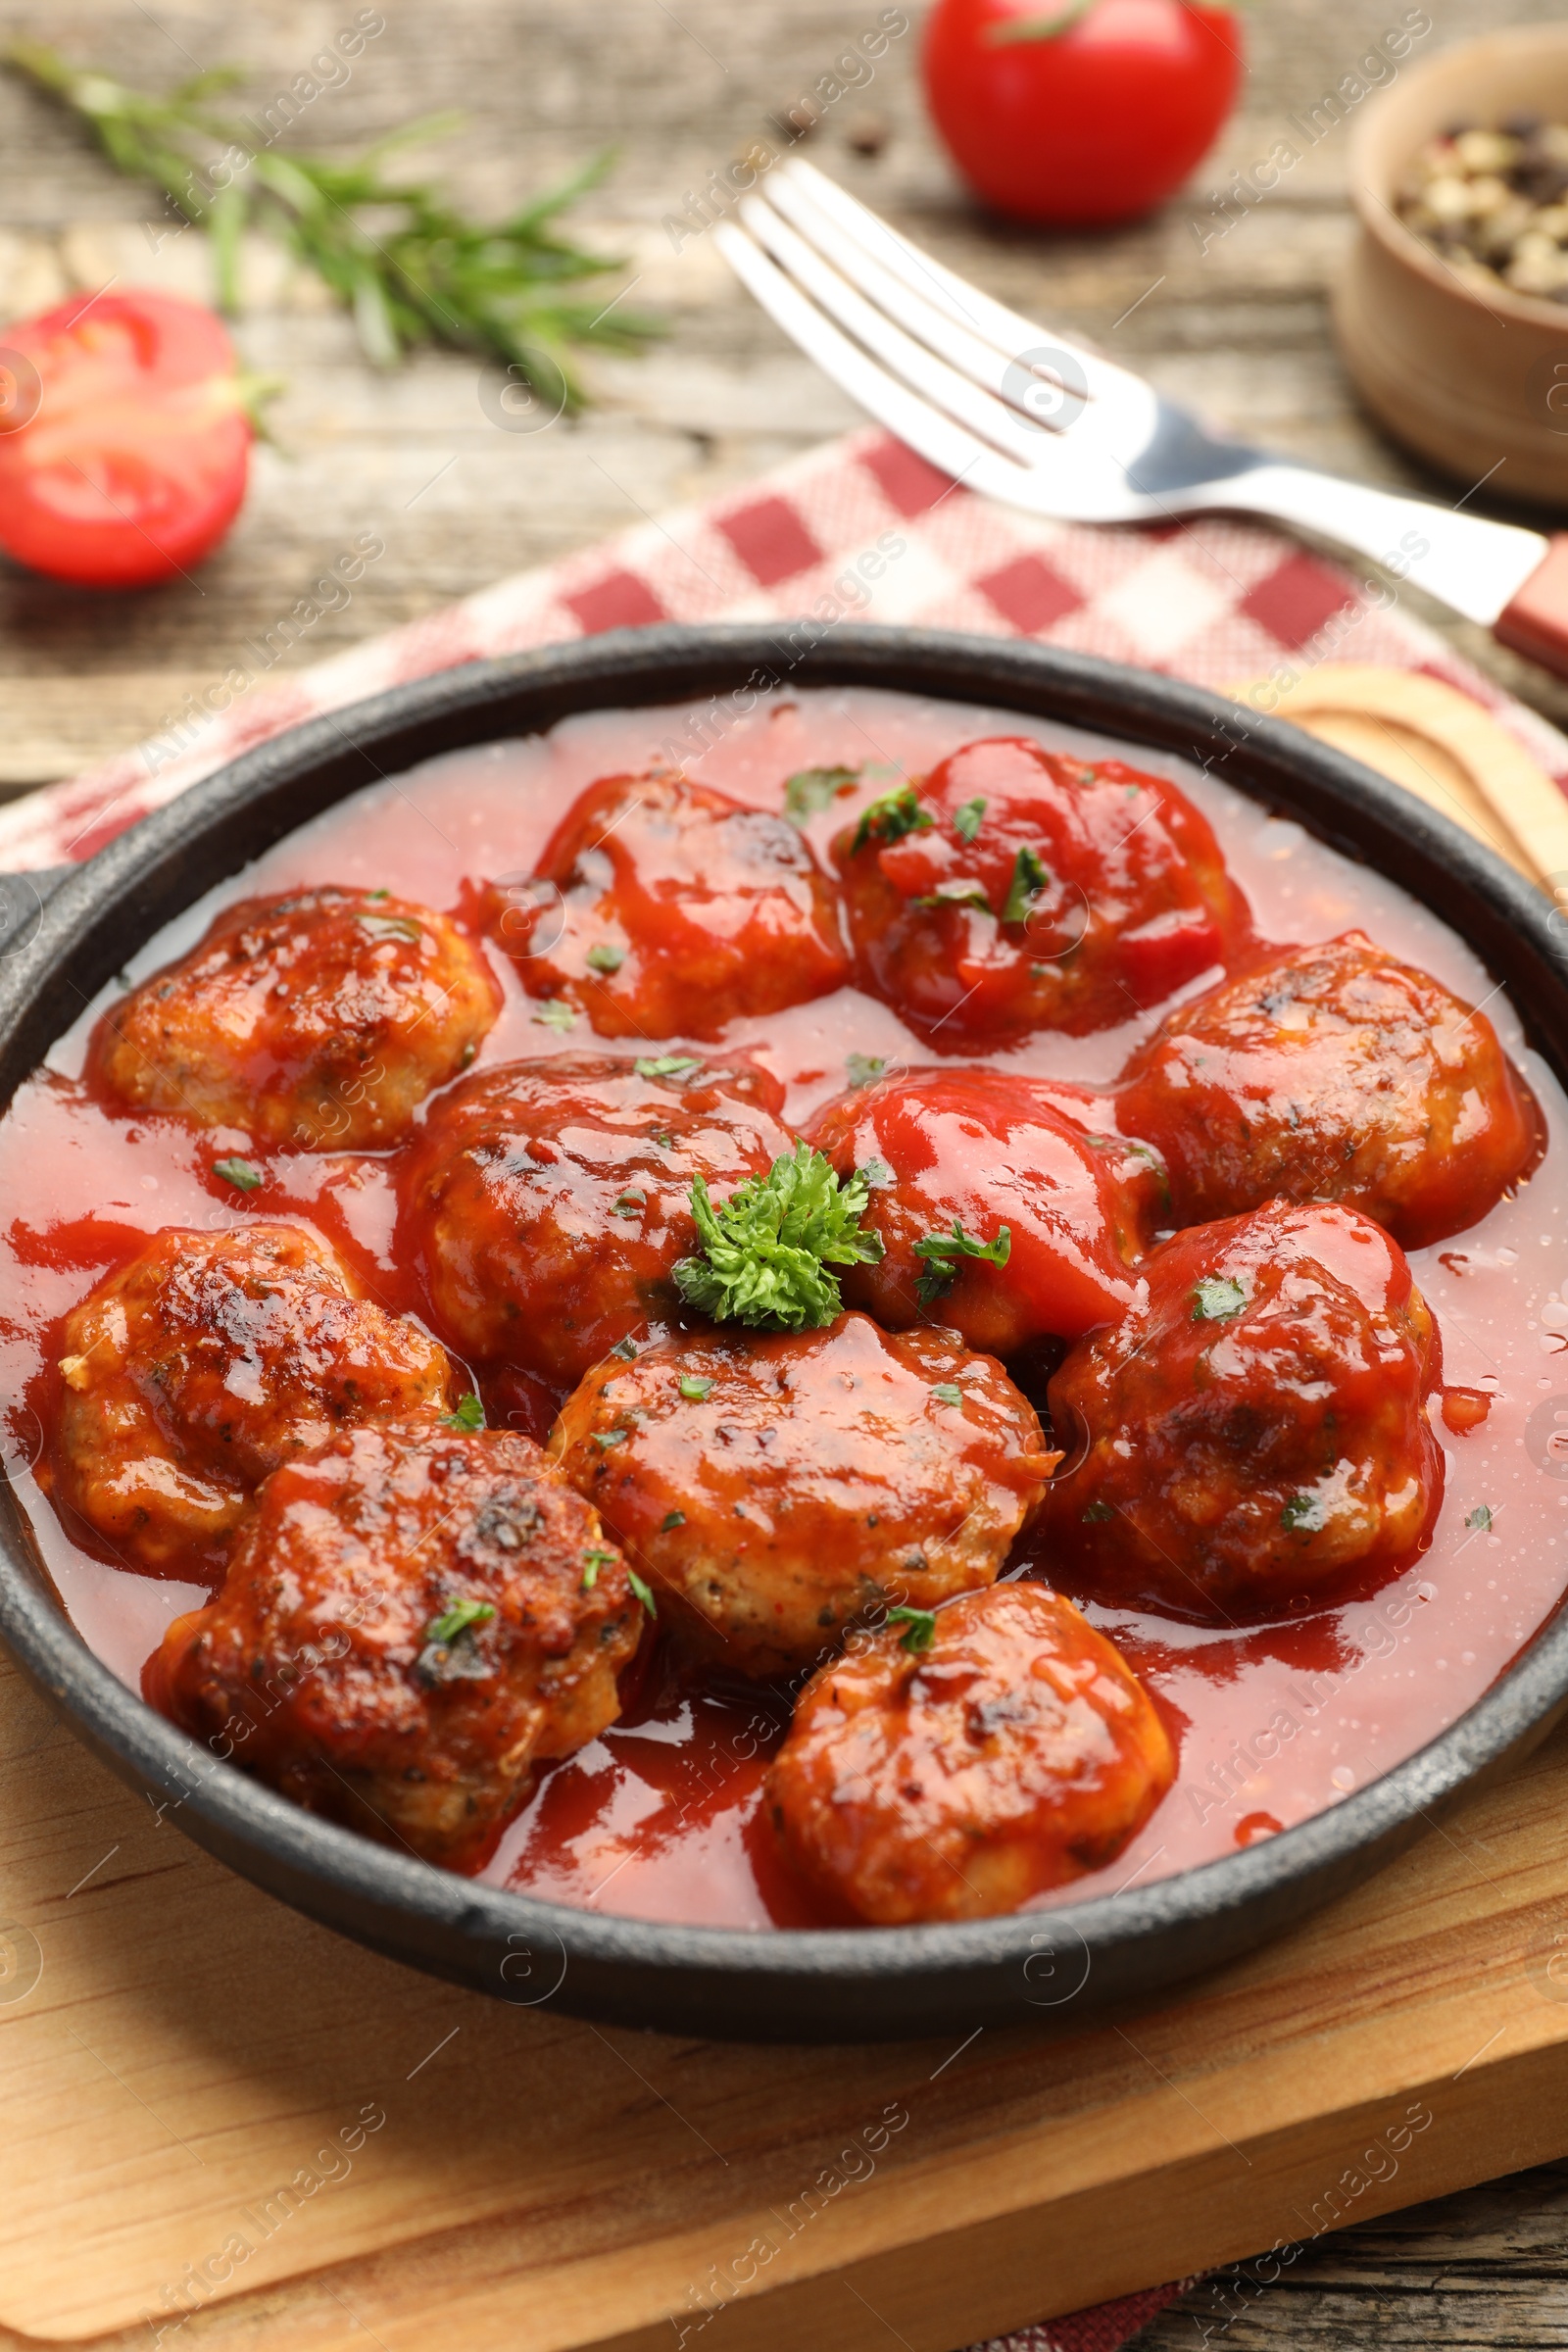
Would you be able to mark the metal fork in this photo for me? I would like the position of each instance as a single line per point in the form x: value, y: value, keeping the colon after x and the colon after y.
x: 1044, y: 422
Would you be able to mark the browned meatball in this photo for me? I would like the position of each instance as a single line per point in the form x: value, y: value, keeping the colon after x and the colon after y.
x: 777, y: 1488
x: 549, y: 1201
x: 318, y: 1021
x: 1258, y: 1434
x: 666, y: 910
x: 1334, y: 1073
x: 413, y: 1620
x: 955, y: 1770
x: 207, y: 1361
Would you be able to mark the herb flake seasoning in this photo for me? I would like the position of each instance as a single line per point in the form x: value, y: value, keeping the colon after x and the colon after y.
x: 239, y: 1173
x: 813, y: 789
x: 694, y: 1387
x: 966, y: 821
x: 466, y: 1415
x: 890, y: 817
x: 920, y: 1627
x: 1303, y: 1514
x: 642, y: 1592
x: 680, y: 1069
x: 1029, y: 878
x: 457, y: 1618
x: 945, y: 1252
x: 1216, y: 1299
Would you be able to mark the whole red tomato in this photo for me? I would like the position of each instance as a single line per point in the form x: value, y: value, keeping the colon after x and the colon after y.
x: 123, y: 442
x: 1079, y: 116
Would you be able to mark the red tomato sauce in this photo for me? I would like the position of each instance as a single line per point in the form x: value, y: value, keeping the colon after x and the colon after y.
x: 659, y: 1818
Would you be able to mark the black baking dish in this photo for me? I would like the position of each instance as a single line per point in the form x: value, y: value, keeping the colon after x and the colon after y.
x: 825, y: 1985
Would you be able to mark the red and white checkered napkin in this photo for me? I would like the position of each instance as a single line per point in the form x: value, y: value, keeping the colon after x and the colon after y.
x: 1212, y: 600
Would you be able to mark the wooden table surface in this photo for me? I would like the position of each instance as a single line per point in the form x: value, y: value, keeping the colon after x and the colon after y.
x: 1241, y: 331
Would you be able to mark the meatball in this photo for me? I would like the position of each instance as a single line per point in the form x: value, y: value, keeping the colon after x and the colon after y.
x: 1334, y: 1073
x: 662, y: 908
x: 207, y: 1361
x: 777, y: 1488
x: 412, y: 1622
x: 1258, y: 1439
x: 956, y: 1770
x: 549, y: 1201
x: 318, y: 1021
x: 1019, y: 889
x: 992, y: 1155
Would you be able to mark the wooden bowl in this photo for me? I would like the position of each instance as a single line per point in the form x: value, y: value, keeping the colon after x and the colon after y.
x: 1475, y: 381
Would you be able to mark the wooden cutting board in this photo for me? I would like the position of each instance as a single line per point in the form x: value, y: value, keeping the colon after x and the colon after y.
x: 226, y: 2128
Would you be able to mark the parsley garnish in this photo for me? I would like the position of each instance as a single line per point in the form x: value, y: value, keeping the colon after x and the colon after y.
x: 382, y: 893
x: 865, y: 1068
x: 966, y: 821
x: 767, y: 1250
x: 556, y: 1014
x: 630, y: 1204
x: 456, y: 1619
x: 1097, y: 1514
x: 603, y: 958
x: 948, y: 1392
x: 607, y: 1438
x: 694, y: 1387
x: 392, y: 926
x: 1480, y: 1516
x: 890, y: 816
x: 593, y: 1560
x: 1029, y: 879
x: 672, y: 1519
x: 642, y: 1592
x: 467, y: 1415
x: 943, y: 1252
x: 815, y: 787
x: 1216, y: 1299
x: 921, y: 1625
x: 625, y: 1348
x: 1305, y: 1511
x: 678, y: 1069
x: 239, y: 1173
x: 877, y: 1172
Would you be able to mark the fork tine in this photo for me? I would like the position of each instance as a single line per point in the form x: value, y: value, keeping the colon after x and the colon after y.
x: 952, y: 448
x: 924, y: 275
x: 982, y: 410
x: 1001, y: 375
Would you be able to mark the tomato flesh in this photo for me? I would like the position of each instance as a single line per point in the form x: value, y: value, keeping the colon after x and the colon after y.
x: 126, y: 462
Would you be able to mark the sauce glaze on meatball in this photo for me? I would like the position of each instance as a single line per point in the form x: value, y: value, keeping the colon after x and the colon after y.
x: 1014, y: 1753
x: 988, y: 1150
x: 413, y: 1620
x: 1334, y: 1073
x: 662, y: 908
x: 1018, y: 889
x: 549, y: 1201
x: 1258, y: 1439
x: 318, y: 1021
x: 778, y: 1488
x: 207, y: 1361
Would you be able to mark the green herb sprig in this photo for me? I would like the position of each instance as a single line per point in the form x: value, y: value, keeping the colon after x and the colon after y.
x: 467, y: 1415
x: 767, y: 1250
x: 422, y: 274
x: 945, y: 1252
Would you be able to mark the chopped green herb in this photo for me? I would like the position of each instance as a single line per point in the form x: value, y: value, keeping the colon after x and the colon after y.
x: 865, y: 1068
x: 1029, y: 879
x: 966, y: 821
x: 1304, y: 1512
x: 611, y: 1436
x: 890, y: 817
x: 767, y: 1250
x: 948, y: 1392
x: 679, y: 1068
x: 391, y: 926
x: 468, y: 1414
x: 694, y: 1387
x: 593, y: 1560
x: 556, y: 1014
x: 1481, y: 1517
x: 1216, y: 1299
x: 956, y: 894
x: 920, y: 1627
x: 663, y: 1137
x: 672, y: 1519
x: 630, y: 1204
x: 626, y: 1349
x: 815, y: 787
x: 1097, y: 1514
x: 875, y: 1173
x: 945, y: 1252
x: 382, y: 893
x: 239, y: 1173
x: 603, y: 958
x: 456, y: 1619
x: 642, y: 1592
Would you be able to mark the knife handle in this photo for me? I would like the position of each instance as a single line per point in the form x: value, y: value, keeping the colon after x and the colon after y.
x: 1535, y: 622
